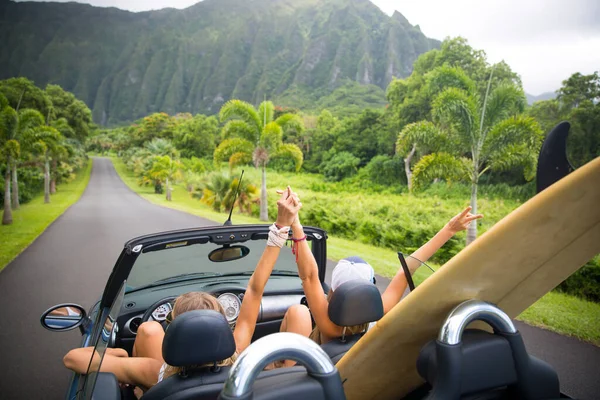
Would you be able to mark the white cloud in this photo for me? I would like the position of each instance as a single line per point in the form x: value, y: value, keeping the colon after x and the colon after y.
x: 545, y: 41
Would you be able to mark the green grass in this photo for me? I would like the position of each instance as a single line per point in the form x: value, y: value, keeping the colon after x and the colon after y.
x: 32, y: 218
x: 566, y: 314
x: 558, y: 312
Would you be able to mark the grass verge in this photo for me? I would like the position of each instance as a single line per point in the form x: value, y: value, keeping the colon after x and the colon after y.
x: 558, y: 312
x: 32, y: 218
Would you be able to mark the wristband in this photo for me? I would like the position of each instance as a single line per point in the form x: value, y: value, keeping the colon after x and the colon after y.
x: 295, y: 246
x: 277, y: 235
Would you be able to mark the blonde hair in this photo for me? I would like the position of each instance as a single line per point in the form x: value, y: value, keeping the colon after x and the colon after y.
x: 315, y: 335
x: 197, y: 301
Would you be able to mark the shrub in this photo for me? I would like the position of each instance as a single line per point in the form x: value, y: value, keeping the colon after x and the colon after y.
x: 384, y: 170
x: 341, y: 165
x: 585, y: 283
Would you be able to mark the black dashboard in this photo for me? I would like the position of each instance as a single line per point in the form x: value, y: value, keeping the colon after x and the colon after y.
x: 281, y: 292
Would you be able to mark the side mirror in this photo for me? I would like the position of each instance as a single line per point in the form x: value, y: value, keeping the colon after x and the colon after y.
x: 63, y: 317
x: 228, y: 253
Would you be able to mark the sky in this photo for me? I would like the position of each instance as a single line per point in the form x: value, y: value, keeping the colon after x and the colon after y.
x: 544, y: 41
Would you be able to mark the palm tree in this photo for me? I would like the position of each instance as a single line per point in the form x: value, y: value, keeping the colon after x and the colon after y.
x: 26, y: 123
x: 474, y: 135
x: 48, y: 144
x: 164, y: 169
x: 255, y: 136
x: 245, y: 196
x: 214, y: 190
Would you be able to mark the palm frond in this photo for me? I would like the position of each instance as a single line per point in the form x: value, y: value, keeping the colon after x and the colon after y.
x: 290, y: 121
x: 504, y: 101
x: 291, y: 151
x: 11, y: 149
x: 457, y: 108
x: 271, y: 137
x: 446, y: 76
x: 30, y: 119
x: 239, y: 158
x: 514, y: 142
x: 242, y: 110
x: 9, y: 121
x: 424, y: 134
x: 3, y: 102
x: 238, y: 128
x: 229, y: 147
x: 266, y: 111
x: 440, y: 165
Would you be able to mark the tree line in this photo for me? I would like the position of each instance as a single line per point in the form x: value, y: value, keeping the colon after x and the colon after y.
x: 42, y: 138
x: 456, y: 118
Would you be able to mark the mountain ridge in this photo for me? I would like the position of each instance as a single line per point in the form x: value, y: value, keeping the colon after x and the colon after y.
x: 125, y: 65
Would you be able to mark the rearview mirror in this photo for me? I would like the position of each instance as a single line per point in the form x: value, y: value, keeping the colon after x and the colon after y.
x: 63, y: 317
x: 229, y: 253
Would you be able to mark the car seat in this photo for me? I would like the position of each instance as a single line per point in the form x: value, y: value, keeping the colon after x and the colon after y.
x: 353, y: 303
x: 193, y: 340
x: 475, y: 364
x: 316, y: 378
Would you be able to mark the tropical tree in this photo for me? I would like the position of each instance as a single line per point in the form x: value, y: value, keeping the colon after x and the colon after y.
x: 213, y: 190
x: 218, y: 191
x: 474, y: 134
x: 253, y: 135
x: 47, y: 145
x: 20, y: 127
x: 245, y: 196
x: 164, y: 169
x: 455, y: 64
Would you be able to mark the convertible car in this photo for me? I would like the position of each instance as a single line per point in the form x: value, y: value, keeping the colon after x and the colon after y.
x: 153, y: 270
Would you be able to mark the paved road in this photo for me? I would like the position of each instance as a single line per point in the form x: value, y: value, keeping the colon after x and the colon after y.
x: 72, y: 259
x: 70, y: 262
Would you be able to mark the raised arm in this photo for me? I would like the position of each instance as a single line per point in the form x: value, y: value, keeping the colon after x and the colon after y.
x: 315, y: 296
x: 393, y: 293
x: 246, y: 322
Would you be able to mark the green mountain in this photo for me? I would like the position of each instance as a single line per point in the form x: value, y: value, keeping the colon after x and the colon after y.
x: 126, y: 65
x: 544, y: 96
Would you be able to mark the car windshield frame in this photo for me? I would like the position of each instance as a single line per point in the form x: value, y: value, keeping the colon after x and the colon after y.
x: 218, y: 235
x: 168, y: 263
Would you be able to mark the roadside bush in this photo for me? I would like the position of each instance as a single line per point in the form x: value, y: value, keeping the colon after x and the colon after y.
x: 31, y: 183
x: 384, y: 170
x: 341, y: 165
x: 585, y: 283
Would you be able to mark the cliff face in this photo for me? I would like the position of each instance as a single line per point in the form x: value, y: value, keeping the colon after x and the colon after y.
x: 126, y: 65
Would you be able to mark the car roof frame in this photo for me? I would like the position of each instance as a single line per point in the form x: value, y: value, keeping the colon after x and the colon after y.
x: 214, y: 234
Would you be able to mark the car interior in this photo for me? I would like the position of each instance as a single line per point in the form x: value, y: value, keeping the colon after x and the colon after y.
x: 471, y: 364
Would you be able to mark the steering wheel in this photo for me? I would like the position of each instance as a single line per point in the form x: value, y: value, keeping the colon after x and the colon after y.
x: 148, y: 314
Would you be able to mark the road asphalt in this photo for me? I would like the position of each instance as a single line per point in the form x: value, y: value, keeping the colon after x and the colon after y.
x: 72, y: 259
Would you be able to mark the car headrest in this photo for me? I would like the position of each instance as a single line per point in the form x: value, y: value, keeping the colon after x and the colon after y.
x: 355, y: 302
x: 198, y: 337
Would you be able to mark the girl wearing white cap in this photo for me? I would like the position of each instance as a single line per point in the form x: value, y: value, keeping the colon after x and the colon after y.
x: 349, y: 269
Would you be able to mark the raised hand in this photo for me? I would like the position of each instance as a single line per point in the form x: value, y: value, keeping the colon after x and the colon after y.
x: 461, y: 221
x: 288, y: 206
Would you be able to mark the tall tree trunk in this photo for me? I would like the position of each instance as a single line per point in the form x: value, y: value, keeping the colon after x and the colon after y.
x: 46, y: 181
x: 15, y: 188
x: 53, y: 177
x: 168, y: 190
x: 407, y: 170
x: 472, y: 228
x: 264, y: 210
x: 7, y: 215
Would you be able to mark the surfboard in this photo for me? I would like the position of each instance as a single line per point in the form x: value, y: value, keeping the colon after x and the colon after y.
x: 516, y: 262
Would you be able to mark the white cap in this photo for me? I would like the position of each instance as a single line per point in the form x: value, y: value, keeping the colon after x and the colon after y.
x: 351, y: 268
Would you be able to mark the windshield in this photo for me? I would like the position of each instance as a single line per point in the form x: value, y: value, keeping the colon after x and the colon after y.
x: 171, y: 262
x: 107, y: 328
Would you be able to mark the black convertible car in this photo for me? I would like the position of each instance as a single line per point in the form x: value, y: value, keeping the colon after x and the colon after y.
x: 153, y: 270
